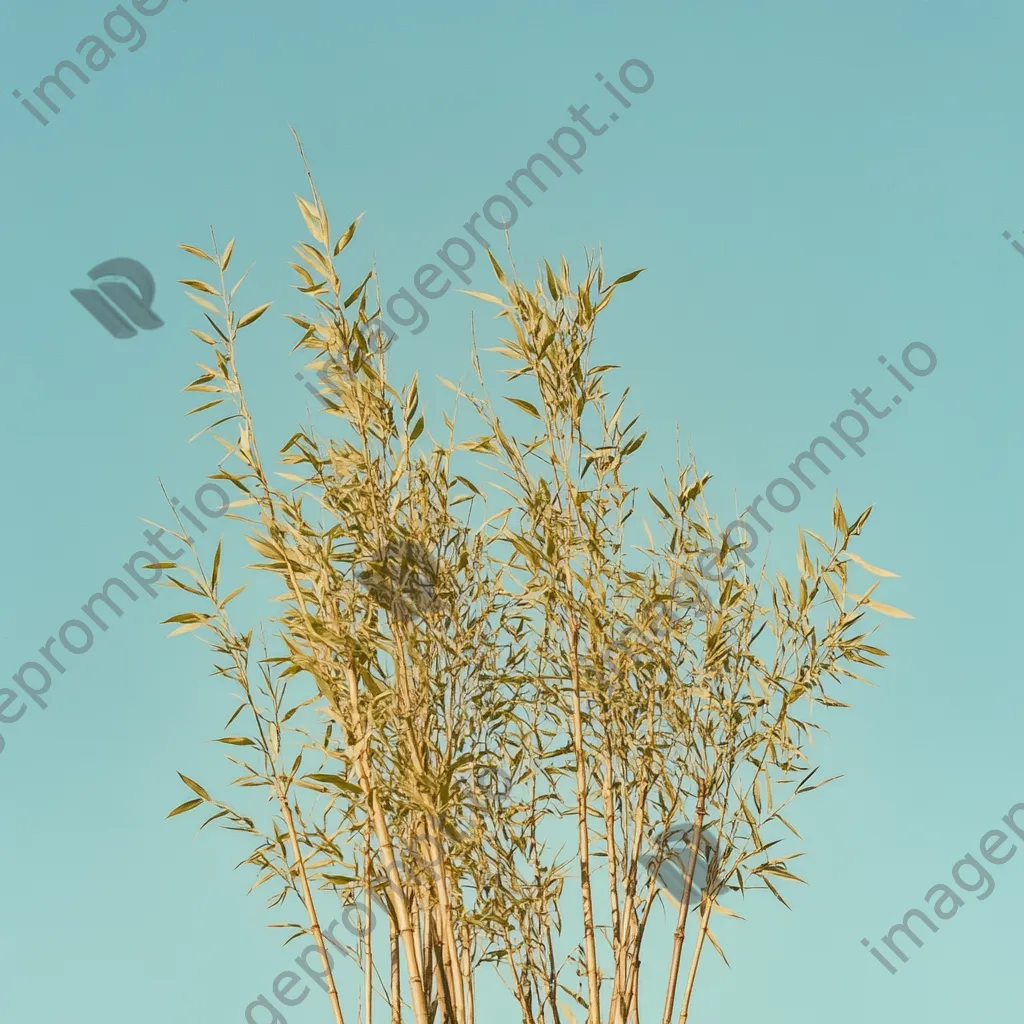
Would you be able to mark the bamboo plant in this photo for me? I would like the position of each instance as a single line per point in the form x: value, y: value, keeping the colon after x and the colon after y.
x: 476, y: 601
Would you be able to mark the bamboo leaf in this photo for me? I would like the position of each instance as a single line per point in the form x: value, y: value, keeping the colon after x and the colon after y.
x: 483, y: 295
x: 194, y: 786
x: 199, y: 286
x: 347, y: 236
x: 197, y: 252
x: 525, y: 406
x: 625, y: 278
x: 253, y: 315
x: 873, y: 569
x: 188, y: 805
x: 214, y: 575
x: 888, y: 609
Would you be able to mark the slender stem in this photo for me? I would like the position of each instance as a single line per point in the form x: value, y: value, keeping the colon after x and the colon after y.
x: 368, y: 974
x: 593, y: 981
x: 684, y: 906
x: 517, y: 979
x: 613, y: 862
x: 307, y: 898
x: 467, y: 973
x: 446, y: 930
x: 684, y: 1010
x: 419, y: 1003
x: 396, y: 975
x: 441, y: 974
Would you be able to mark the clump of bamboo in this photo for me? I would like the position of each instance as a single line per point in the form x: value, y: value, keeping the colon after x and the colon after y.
x: 444, y: 642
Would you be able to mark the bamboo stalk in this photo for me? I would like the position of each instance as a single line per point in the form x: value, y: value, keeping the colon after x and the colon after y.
x: 684, y: 906
x: 307, y: 898
x: 419, y: 1004
x: 447, y: 930
x: 441, y: 967
x: 467, y: 973
x: 368, y: 972
x: 613, y: 875
x: 396, y: 974
x: 593, y: 980
x: 684, y: 1010
x: 517, y: 979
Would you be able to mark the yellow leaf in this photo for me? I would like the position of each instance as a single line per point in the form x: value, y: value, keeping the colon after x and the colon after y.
x: 197, y: 252
x: 312, y: 219
x: 525, y: 406
x: 253, y: 315
x: 871, y: 568
x: 188, y: 805
x: 185, y: 629
x: 205, y: 303
x: 888, y: 609
x: 484, y: 296
x: 347, y: 237
x: 199, y: 286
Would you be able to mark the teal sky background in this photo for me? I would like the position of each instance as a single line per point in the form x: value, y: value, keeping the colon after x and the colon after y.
x: 810, y: 185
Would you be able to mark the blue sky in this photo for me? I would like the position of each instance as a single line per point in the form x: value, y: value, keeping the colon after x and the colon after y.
x: 810, y: 185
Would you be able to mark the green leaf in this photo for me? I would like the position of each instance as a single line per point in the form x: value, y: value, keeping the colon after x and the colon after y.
x: 633, y: 445
x: 552, y: 282
x: 664, y: 511
x: 188, y: 805
x: 337, y: 781
x: 354, y: 294
x: 469, y: 484
x: 237, y: 741
x: 347, y: 236
x: 216, y: 567
x: 194, y: 786
x: 839, y: 517
x: 525, y: 406
x: 498, y: 272
x: 625, y: 278
x: 203, y: 408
